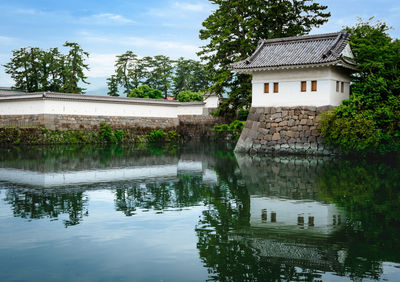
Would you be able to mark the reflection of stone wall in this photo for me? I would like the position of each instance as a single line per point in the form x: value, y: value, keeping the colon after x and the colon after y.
x: 283, y: 130
x: 284, y: 177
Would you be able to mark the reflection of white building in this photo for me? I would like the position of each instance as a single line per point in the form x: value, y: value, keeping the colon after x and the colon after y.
x: 148, y: 173
x: 295, y: 214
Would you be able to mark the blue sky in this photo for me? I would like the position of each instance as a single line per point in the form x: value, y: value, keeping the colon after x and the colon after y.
x: 108, y: 28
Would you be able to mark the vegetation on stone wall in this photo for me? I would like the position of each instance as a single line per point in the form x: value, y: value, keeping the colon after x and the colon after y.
x: 230, y: 131
x: 104, y: 135
x: 369, y: 122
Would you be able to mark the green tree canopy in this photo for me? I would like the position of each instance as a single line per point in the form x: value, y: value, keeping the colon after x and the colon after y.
x: 369, y: 121
x: 33, y: 69
x: 190, y: 75
x: 145, y: 91
x: 233, y: 30
x: 189, y: 96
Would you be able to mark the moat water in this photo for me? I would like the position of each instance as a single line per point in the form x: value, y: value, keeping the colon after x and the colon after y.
x: 195, y: 213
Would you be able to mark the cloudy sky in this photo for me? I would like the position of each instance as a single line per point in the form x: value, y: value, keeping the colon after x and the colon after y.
x: 108, y: 28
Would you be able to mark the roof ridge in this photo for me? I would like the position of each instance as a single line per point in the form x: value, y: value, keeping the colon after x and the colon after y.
x: 303, y: 37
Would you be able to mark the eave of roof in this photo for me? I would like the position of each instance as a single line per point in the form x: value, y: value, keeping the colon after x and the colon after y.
x: 92, y: 98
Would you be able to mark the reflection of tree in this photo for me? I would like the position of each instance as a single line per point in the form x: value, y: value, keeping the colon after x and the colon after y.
x: 34, y: 204
x: 224, y: 232
x: 185, y: 192
x: 370, y: 195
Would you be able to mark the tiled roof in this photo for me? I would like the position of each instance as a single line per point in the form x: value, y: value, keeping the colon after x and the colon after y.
x: 297, y: 51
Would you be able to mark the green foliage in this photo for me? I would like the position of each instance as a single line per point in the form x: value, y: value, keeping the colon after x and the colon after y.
x: 189, y: 75
x: 369, y: 122
x: 233, y: 30
x: 160, y: 136
x: 33, y: 69
x: 233, y: 130
x: 108, y: 135
x: 242, y: 114
x: 145, y: 91
x: 189, y: 96
x: 112, y: 83
x: 156, y: 136
x: 158, y: 72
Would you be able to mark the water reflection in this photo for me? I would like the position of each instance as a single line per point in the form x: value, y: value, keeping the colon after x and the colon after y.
x: 262, y: 219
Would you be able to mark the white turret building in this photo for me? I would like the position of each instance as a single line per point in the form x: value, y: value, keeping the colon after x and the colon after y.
x: 312, y: 70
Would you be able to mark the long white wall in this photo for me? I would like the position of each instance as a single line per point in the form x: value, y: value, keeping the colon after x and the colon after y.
x: 290, y: 94
x: 37, y: 105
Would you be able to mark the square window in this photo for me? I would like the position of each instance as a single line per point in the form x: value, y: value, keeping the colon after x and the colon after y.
x: 337, y: 86
x: 276, y: 87
x: 266, y: 87
x: 314, y: 85
x: 303, y: 86
x: 342, y: 87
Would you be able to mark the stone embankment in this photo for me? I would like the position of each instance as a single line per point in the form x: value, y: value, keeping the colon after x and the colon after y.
x: 283, y: 130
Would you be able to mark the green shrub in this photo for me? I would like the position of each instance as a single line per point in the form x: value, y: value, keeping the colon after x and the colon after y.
x: 106, y: 133
x: 173, y: 136
x: 189, y: 96
x: 234, y: 129
x: 145, y: 91
x: 119, y: 134
x: 242, y: 114
x: 156, y: 136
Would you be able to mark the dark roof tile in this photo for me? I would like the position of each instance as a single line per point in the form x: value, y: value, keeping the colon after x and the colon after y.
x: 299, y: 50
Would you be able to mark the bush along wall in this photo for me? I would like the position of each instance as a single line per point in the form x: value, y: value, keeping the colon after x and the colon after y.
x: 104, y: 135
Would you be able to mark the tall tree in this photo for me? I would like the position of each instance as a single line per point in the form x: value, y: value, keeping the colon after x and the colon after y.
x: 160, y: 74
x: 189, y: 75
x: 112, y: 83
x: 34, y: 69
x: 235, y: 27
x: 74, y: 68
x: 123, y: 66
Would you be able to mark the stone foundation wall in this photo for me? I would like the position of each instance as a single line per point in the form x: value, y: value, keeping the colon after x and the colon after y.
x: 78, y: 122
x: 196, y: 126
x: 189, y: 126
x: 283, y: 130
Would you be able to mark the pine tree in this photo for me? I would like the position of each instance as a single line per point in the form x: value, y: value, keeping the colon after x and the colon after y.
x: 234, y: 29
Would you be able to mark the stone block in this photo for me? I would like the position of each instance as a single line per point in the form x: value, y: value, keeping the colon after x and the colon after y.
x: 303, y: 121
x: 283, y: 123
x: 275, y: 116
x: 276, y: 137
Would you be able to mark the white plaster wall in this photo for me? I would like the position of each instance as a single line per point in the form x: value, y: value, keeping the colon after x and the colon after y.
x: 33, y: 107
x: 290, y: 87
x: 190, y: 110
x: 212, y: 101
x: 88, y: 108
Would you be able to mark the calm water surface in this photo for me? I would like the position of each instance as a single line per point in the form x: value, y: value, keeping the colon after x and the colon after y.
x: 195, y: 213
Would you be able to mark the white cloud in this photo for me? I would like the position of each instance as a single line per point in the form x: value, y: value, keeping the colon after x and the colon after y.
x: 107, y: 18
x: 101, y: 65
x: 198, y: 7
x: 180, y: 10
x: 141, y: 45
x: 6, y: 39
